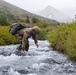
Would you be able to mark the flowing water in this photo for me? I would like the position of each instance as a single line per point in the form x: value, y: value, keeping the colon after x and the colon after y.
x: 37, y: 61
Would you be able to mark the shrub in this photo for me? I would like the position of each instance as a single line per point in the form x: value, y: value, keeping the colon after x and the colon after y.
x: 3, y: 19
x: 34, y: 20
x: 6, y: 37
x: 63, y: 39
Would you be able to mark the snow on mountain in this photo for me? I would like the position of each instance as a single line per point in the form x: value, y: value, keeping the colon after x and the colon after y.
x: 52, y: 13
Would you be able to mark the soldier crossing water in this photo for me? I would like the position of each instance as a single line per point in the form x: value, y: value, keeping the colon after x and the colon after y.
x: 23, y: 34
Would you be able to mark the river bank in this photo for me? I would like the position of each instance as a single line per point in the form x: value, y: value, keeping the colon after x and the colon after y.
x: 63, y: 39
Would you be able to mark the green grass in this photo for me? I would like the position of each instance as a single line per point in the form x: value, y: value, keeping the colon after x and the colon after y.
x: 63, y: 39
x: 44, y: 31
x: 6, y: 37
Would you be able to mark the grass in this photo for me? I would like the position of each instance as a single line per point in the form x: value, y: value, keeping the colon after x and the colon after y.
x: 63, y: 39
x: 6, y: 37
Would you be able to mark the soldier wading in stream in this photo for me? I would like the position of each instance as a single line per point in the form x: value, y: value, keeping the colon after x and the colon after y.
x: 22, y: 33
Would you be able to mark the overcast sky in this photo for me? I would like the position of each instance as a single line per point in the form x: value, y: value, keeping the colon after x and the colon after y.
x: 38, y: 5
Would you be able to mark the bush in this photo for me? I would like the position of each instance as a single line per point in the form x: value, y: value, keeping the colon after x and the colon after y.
x: 42, y: 35
x: 34, y: 20
x: 44, y: 32
x: 63, y: 39
x: 6, y: 37
x: 3, y: 19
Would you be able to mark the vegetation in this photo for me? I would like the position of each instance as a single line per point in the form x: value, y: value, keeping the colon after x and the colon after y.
x: 5, y: 37
x: 63, y: 39
x: 3, y: 19
x: 34, y: 20
x: 44, y: 31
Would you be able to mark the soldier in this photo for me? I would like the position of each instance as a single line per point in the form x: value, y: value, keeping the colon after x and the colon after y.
x: 23, y: 34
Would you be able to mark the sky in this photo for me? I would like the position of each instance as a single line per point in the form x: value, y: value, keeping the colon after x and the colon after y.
x: 38, y: 5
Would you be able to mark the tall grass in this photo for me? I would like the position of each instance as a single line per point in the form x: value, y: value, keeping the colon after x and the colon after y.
x: 44, y: 31
x: 6, y: 37
x: 63, y: 39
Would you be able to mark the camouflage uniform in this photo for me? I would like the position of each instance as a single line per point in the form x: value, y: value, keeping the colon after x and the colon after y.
x: 25, y: 33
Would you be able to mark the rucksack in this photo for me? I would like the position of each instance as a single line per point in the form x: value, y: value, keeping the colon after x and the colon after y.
x: 15, y: 27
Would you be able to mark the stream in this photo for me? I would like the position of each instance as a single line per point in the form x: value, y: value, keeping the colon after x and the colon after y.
x: 37, y: 61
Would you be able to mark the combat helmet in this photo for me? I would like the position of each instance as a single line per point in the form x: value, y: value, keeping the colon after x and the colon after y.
x: 36, y: 29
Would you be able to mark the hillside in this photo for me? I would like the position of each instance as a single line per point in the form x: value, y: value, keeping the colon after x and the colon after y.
x: 14, y: 11
x: 52, y: 13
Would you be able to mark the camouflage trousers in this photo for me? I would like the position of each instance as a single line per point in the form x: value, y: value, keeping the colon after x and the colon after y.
x: 26, y: 43
x: 26, y: 46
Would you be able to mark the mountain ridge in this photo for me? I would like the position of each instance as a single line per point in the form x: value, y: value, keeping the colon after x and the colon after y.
x: 52, y: 13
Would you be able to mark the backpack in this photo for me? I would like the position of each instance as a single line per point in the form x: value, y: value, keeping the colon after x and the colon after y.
x: 15, y: 27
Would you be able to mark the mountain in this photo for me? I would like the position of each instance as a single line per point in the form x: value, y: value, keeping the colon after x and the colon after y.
x: 13, y: 11
x: 52, y: 13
